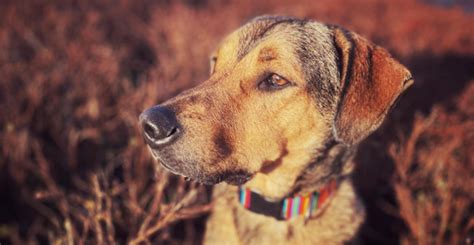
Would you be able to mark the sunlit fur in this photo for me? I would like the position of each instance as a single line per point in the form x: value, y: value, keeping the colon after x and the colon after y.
x: 285, y: 141
x: 230, y: 125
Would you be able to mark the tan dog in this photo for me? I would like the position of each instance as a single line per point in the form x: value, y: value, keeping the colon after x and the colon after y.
x: 287, y: 102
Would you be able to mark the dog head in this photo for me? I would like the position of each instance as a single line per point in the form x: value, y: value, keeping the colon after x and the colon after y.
x: 279, y: 89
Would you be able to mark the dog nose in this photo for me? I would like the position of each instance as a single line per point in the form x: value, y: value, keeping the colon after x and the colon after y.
x: 159, y: 126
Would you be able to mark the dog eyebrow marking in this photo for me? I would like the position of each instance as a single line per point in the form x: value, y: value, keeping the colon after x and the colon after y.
x: 267, y: 54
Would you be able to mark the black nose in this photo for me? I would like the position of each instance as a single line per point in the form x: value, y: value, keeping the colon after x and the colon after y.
x: 159, y: 126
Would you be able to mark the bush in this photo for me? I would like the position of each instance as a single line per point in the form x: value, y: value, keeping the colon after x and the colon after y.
x: 75, y: 75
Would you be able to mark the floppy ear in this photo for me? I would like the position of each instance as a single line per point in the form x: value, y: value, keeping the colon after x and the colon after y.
x: 371, y: 82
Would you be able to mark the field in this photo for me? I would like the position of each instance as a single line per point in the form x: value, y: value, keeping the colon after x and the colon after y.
x: 75, y: 75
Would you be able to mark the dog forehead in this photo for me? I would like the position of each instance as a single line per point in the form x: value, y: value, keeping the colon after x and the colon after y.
x: 264, y: 28
x: 299, y: 32
x: 240, y: 42
x: 310, y: 43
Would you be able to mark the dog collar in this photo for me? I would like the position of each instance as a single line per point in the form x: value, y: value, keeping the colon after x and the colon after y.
x: 289, y: 207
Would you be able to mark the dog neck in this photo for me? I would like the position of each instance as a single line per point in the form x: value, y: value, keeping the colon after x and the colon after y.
x: 333, y: 162
x: 330, y: 161
x: 312, y: 188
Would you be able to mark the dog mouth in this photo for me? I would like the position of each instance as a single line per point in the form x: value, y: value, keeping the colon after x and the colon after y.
x: 164, y: 163
x: 239, y: 177
x: 232, y: 177
x: 170, y: 169
x: 236, y: 177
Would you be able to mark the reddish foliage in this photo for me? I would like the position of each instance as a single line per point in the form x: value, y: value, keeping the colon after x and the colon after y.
x: 76, y: 74
x: 434, y: 166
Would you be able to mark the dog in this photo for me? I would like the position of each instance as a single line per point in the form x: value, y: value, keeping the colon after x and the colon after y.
x: 279, y: 120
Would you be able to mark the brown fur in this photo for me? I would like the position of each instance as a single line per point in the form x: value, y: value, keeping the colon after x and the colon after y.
x: 372, y: 85
x: 280, y: 142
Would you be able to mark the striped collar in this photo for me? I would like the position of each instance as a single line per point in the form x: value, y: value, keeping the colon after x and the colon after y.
x: 289, y: 207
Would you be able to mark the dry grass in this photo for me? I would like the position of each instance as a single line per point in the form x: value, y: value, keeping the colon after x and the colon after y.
x: 434, y: 170
x: 74, y: 75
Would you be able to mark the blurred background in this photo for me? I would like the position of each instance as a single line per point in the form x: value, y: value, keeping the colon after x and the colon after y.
x: 74, y: 76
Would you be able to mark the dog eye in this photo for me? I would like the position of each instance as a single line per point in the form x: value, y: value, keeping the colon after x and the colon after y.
x: 273, y: 82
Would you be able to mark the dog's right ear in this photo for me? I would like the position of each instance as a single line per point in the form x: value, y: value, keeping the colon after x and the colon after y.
x: 371, y: 81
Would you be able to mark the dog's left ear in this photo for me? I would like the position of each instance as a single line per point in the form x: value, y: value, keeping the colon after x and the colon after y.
x: 371, y: 82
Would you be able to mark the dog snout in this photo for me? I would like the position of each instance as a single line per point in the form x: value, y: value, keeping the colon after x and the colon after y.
x: 159, y: 126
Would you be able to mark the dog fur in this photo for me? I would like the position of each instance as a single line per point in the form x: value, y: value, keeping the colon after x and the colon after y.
x: 283, y: 139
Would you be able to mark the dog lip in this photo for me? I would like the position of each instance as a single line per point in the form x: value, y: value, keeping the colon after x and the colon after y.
x: 161, y: 161
x: 235, y: 177
x: 237, y: 180
x: 232, y: 179
x: 167, y: 167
